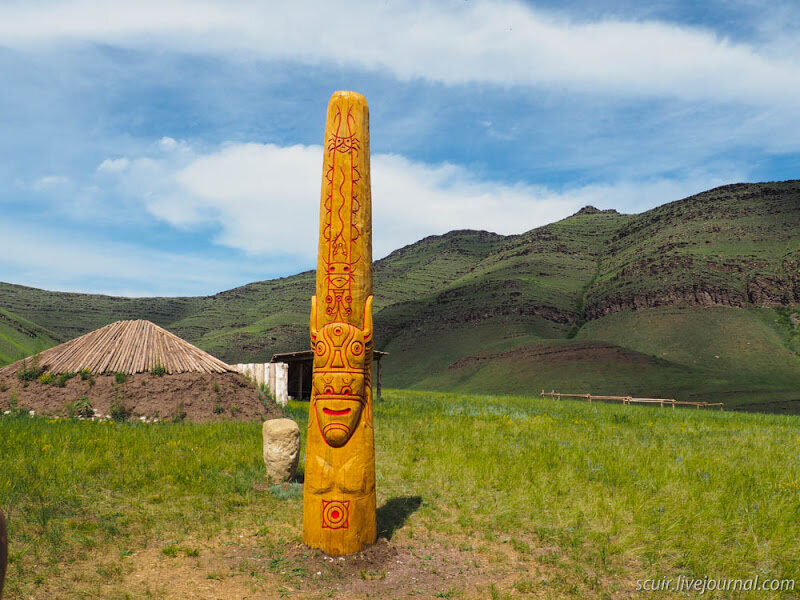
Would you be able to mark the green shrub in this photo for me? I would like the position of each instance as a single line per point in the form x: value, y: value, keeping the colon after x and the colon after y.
x: 120, y: 412
x: 30, y: 372
x: 269, y: 401
x: 87, y: 376
x: 45, y: 378
x: 286, y: 491
x: 13, y: 403
x: 80, y: 408
x: 120, y: 378
x: 62, y: 379
x: 158, y: 370
x: 179, y: 414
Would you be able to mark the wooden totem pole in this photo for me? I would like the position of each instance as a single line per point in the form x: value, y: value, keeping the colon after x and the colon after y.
x: 339, y: 496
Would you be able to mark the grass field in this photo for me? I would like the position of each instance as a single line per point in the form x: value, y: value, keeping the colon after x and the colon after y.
x: 479, y: 497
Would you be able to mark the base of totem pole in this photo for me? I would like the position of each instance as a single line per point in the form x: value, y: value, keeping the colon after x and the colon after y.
x: 348, y: 526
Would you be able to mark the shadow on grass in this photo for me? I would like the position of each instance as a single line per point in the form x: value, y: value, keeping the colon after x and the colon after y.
x: 393, y: 515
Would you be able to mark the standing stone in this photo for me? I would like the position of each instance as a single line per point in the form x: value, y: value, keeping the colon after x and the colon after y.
x: 281, y: 449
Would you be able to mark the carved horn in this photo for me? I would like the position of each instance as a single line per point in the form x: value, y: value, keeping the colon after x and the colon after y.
x: 367, y: 328
x: 313, y: 320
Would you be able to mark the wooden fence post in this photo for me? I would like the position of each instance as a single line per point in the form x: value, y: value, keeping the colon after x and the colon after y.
x: 673, y: 402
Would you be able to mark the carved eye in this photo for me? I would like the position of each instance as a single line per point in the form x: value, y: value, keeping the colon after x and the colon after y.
x: 357, y: 348
x: 320, y: 348
x: 347, y: 390
x: 328, y: 389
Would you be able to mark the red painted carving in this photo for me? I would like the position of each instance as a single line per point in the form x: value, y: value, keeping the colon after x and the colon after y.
x: 339, y: 223
x: 335, y: 514
x: 340, y: 382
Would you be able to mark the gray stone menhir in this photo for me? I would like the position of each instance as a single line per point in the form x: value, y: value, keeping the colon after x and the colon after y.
x: 281, y: 449
x: 3, y: 551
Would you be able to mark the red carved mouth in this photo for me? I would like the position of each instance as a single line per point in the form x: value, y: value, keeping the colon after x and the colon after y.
x: 336, y: 413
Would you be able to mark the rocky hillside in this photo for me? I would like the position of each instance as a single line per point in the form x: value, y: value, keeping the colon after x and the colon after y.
x: 738, y: 245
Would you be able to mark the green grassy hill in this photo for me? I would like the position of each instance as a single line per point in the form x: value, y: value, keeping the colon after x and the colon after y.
x: 699, y: 298
x: 20, y: 338
x: 70, y: 315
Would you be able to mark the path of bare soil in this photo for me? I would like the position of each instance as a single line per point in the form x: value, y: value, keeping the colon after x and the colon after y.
x: 241, y: 564
x: 239, y: 568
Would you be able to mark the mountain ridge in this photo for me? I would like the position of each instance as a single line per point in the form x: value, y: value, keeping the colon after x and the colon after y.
x: 735, y: 247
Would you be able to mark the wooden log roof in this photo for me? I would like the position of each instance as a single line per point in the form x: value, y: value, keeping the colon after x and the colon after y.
x: 126, y: 347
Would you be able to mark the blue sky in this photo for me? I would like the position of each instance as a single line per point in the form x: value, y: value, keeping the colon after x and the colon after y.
x: 173, y: 148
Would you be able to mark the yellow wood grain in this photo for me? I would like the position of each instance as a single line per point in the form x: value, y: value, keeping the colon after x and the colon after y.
x: 339, y: 492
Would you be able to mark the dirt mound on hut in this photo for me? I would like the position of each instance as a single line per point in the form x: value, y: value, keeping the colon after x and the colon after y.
x: 195, y: 397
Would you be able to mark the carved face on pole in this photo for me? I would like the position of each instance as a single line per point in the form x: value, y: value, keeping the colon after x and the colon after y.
x: 339, y: 489
x: 339, y: 381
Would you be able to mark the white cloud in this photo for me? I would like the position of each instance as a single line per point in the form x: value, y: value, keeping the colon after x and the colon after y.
x: 49, y: 258
x: 501, y: 42
x: 49, y: 183
x: 168, y: 144
x: 264, y: 199
x: 114, y: 165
